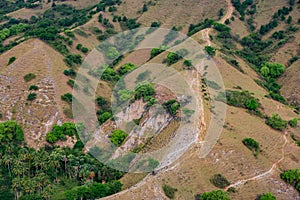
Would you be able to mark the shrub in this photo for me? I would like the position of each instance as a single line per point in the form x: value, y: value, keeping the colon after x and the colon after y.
x: 210, y: 50
x: 172, y: 58
x: 273, y: 70
x: 251, y: 144
x: 117, y: 137
x: 84, y: 49
x: 70, y: 72
x: 219, y: 181
x: 213, y: 195
x: 276, y: 122
x: 124, y: 69
x: 169, y: 191
x: 29, y: 77
x: 67, y: 97
x: 293, y: 122
x: 155, y: 24
x: 187, y: 63
x: 143, y: 91
x: 72, y: 84
x: 78, y: 46
x: 292, y: 177
x: 33, y: 87
x: 11, y: 60
x: 156, y: 51
x: 242, y: 99
x: 31, y: 97
x: 171, y: 106
x: 267, y: 196
x: 104, y: 117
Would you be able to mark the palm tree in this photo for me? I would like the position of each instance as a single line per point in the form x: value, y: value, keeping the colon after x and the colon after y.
x: 7, y: 160
x: 16, y: 185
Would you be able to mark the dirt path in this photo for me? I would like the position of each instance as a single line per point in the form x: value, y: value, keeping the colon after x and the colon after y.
x: 274, y: 166
x: 205, y: 32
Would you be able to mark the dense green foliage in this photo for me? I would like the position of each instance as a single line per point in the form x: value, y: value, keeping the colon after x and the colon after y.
x: 11, y: 60
x: 252, y: 145
x: 242, y: 99
x: 51, y: 173
x: 169, y: 191
x: 276, y: 122
x: 103, y: 117
x: 33, y: 87
x: 124, y: 69
x: 210, y: 50
x: 31, y: 96
x: 93, y: 191
x: 10, y: 131
x: 172, y: 58
x: 272, y: 70
x: 172, y: 106
x: 117, y: 137
x: 213, y: 195
x: 156, y: 51
x: 67, y: 98
x: 293, y: 122
x: 267, y: 196
x: 292, y: 177
x: 219, y: 181
x: 60, y: 132
x: 144, y: 90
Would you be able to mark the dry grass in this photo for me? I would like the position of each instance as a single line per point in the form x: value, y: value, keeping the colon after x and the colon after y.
x: 33, y: 56
x: 26, y: 13
x: 172, y: 13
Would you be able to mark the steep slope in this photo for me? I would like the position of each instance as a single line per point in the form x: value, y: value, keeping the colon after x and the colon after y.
x: 36, y: 116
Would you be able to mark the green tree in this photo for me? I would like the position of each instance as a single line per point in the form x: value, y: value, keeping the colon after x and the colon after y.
x: 276, y: 122
x: 275, y: 69
x: 293, y: 122
x: 11, y: 60
x: 128, y: 67
x: 172, y: 58
x: 265, y: 71
x: 251, y: 144
x: 267, y: 196
x: 112, y: 53
x: 117, y: 137
x: 31, y: 96
x: 144, y: 90
x: 104, y: 117
x: 210, y: 50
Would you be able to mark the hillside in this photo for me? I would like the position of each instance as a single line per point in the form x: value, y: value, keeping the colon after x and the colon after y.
x: 115, y: 120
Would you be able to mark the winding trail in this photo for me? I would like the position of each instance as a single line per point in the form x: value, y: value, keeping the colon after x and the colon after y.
x: 205, y: 35
x: 274, y: 166
x: 205, y: 32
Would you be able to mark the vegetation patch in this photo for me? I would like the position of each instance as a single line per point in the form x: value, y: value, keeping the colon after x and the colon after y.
x: 219, y: 181
x: 169, y: 191
x: 117, y: 137
x: 276, y: 122
x: 292, y: 177
x: 213, y: 195
x: 29, y: 77
x: 252, y: 145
